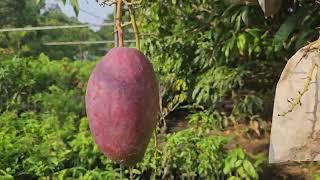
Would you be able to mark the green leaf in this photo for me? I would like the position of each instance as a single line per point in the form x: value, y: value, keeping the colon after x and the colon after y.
x: 242, y: 172
x: 241, y: 153
x: 135, y: 171
x: 75, y: 5
x: 234, y: 178
x: 304, y: 37
x: 287, y: 28
x: 245, y: 16
x: 233, y: 160
x: 317, y: 177
x: 227, y: 168
x: 241, y: 43
x: 238, y: 163
x: 250, y: 169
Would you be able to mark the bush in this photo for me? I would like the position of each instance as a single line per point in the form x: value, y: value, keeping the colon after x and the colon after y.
x: 45, y: 132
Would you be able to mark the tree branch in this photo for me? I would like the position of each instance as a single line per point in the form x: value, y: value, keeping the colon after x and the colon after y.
x: 245, y: 2
x: 133, y: 20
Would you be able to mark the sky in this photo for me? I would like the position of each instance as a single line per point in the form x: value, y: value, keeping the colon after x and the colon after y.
x: 90, y: 11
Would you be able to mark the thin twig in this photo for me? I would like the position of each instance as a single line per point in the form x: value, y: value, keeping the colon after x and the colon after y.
x: 135, y: 28
x: 109, y: 2
x: 297, y: 101
x: 133, y: 21
x: 125, y: 24
x: 156, y: 149
x: 308, y: 48
x: 246, y: 2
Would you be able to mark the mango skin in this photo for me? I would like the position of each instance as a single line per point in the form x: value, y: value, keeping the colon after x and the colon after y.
x: 122, y: 104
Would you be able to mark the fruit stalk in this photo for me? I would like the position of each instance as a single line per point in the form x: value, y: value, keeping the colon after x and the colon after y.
x: 118, y: 23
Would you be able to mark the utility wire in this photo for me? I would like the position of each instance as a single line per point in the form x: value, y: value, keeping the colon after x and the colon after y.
x: 91, y: 14
x: 83, y: 10
x: 52, y: 27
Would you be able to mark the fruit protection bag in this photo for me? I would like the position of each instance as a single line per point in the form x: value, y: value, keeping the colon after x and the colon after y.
x: 295, y: 132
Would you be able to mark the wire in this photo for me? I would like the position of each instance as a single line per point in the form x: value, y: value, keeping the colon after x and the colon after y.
x: 91, y: 14
x: 82, y: 42
x: 53, y: 27
x: 82, y: 10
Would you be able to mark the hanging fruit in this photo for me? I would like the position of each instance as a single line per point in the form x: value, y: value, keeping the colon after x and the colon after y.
x: 122, y: 101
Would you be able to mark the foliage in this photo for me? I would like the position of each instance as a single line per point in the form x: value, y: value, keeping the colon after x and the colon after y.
x: 238, y: 166
x: 34, y: 82
x: 45, y: 132
x: 207, y: 120
x: 189, y: 153
x: 229, y: 55
x: 31, y: 43
x: 19, y: 13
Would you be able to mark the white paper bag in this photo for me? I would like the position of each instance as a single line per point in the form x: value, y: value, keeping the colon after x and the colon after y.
x: 270, y: 7
x: 295, y: 133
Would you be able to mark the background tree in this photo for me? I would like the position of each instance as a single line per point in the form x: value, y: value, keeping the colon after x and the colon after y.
x: 22, y: 14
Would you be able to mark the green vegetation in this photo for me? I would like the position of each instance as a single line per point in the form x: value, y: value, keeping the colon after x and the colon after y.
x: 45, y: 132
x: 227, y: 55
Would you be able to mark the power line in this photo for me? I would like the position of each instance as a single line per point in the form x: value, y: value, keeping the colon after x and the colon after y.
x: 91, y: 14
x: 52, y: 27
x: 82, y: 42
x: 83, y: 10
